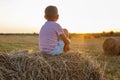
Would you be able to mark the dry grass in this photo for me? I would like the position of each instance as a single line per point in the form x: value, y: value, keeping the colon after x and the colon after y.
x: 36, y: 66
x: 90, y: 48
x: 110, y: 64
x: 11, y: 43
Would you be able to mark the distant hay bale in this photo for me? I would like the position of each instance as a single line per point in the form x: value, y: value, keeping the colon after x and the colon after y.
x: 69, y: 66
x: 112, y: 45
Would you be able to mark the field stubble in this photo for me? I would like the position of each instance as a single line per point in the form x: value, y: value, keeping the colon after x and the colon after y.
x: 109, y: 64
x: 91, y: 48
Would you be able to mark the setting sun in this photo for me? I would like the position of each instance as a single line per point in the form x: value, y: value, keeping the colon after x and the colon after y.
x: 89, y: 16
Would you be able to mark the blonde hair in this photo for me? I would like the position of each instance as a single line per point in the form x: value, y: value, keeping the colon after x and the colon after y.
x: 51, y: 12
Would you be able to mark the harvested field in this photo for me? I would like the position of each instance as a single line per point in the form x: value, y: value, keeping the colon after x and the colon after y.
x: 90, y: 49
x: 37, y: 66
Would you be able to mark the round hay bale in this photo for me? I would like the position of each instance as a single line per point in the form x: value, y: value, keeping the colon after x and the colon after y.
x: 112, y: 45
x: 69, y: 66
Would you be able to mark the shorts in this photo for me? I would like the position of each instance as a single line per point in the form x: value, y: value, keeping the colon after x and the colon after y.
x: 58, y: 49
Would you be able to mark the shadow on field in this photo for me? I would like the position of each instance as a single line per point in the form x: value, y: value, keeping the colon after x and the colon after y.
x: 37, y: 66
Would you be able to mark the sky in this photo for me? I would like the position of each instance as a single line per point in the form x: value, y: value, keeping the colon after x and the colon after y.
x: 78, y: 16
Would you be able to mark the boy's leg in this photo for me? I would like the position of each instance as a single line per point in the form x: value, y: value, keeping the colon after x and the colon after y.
x: 66, y: 47
x: 60, y: 47
x: 66, y: 32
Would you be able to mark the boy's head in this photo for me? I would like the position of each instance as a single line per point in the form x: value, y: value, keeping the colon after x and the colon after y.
x: 51, y: 13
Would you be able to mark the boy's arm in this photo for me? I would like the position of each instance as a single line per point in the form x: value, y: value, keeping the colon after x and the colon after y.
x: 65, y: 39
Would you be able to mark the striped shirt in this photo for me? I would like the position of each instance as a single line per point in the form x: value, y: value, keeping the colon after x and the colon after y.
x: 49, y: 36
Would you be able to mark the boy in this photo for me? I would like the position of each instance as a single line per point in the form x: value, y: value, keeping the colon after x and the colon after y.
x: 52, y: 38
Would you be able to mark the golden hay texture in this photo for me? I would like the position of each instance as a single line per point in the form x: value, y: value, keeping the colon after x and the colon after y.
x: 112, y: 45
x: 25, y: 66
